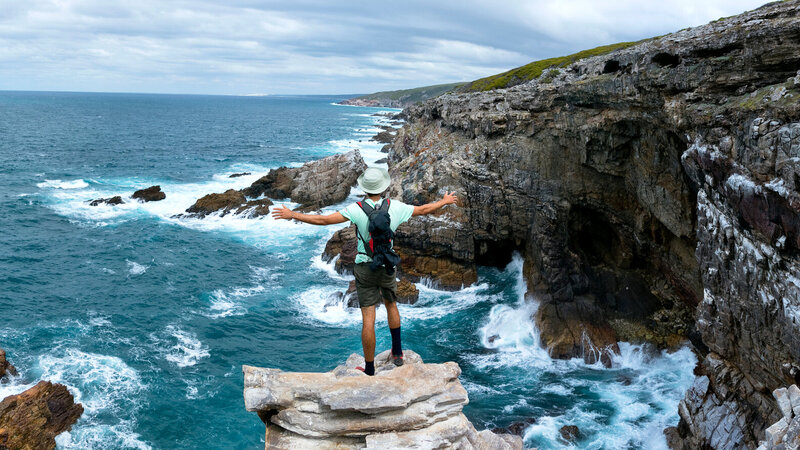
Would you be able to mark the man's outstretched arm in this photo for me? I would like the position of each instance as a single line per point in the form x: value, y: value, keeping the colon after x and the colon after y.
x: 448, y: 199
x: 282, y: 212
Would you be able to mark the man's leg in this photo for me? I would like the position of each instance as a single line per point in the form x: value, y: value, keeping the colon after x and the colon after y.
x: 393, y: 315
x: 368, y: 338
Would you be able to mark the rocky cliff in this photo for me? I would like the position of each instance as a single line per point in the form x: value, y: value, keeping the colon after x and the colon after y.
x: 653, y: 192
x: 416, y: 405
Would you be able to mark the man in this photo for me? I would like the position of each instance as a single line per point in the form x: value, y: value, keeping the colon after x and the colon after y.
x: 372, y: 287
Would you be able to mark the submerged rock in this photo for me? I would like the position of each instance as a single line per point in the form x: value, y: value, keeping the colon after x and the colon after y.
x: 314, y: 185
x: 32, y: 419
x: 5, y: 367
x: 151, y: 194
x: 516, y: 428
x: 116, y: 200
x: 416, y: 405
x: 570, y: 433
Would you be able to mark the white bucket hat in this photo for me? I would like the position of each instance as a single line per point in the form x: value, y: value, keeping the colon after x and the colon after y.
x: 374, y: 180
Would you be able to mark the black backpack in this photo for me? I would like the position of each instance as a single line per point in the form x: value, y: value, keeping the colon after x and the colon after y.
x: 379, y: 245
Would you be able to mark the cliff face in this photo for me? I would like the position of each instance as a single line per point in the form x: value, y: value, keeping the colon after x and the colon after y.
x: 654, y: 194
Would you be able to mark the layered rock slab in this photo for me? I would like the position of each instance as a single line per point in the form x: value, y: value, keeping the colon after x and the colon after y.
x: 416, y: 405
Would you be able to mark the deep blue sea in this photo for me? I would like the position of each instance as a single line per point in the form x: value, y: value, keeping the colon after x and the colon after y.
x: 148, y: 319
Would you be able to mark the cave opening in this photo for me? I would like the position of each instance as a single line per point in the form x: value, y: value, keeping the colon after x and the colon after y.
x: 611, y: 66
x: 495, y: 253
x: 594, y: 238
x: 666, y: 59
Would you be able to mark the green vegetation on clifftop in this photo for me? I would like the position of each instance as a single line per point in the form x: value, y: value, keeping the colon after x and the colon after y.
x: 536, y: 68
x: 510, y: 78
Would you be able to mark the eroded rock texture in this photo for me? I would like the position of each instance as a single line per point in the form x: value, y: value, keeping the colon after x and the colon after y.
x: 416, y: 405
x: 653, y: 193
x: 314, y: 185
x: 31, y: 420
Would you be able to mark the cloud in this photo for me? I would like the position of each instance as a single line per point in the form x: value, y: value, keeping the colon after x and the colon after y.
x: 306, y: 46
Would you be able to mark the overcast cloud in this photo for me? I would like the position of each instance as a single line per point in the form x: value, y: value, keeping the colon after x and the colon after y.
x: 310, y: 47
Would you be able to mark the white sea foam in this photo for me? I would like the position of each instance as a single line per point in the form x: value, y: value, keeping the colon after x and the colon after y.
x: 322, y: 304
x: 329, y: 267
x: 186, y: 349
x: 135, y: 268
x: 106, y: 386
x: 58, y: 184
x: 225, y: 303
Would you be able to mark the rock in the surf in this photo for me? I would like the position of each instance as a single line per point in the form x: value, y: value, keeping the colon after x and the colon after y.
x: 5, y: 367
x: 407, y: 292
x: 237, y: 175
x: 570, y: 433
x: 116, y: 200
x: 32, y: 419
x: 343, y: 247
x: 211, y: 203
x: 230, y: 201
x: 416, y: 405
x: 151, y: 194
x: 386, y: 136
x: 314, y: 185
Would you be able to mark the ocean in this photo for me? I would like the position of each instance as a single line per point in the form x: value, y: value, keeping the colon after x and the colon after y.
x: 148, y: 318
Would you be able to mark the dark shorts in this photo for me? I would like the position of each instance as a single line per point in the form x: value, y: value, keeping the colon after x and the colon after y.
x: 374, y: 287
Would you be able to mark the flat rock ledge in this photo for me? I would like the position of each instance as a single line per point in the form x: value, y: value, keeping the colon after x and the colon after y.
x: 415, y: 406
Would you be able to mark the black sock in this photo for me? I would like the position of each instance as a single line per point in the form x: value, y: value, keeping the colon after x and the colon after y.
x: 369, y: 367
x: 397, y: 347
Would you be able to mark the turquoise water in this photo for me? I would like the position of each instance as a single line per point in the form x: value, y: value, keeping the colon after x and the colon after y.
x: 148, y: 319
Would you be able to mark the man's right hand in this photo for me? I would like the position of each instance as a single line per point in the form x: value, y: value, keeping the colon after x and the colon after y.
x: 449, y: 198
x: 282, y: 212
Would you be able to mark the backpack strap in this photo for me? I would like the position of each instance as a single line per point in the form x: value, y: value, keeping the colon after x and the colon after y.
x: 365, y: 207
x: 367, y: 210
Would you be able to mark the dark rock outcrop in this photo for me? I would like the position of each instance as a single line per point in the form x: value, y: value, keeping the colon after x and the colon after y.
x: 569, y: 433
x: 6, y: 368
x: 116, y: 200
x: 230, y: 201
x: 385, y: 136
x: 653, y: 193
x: 239, y: 174
x: 32, y: 419
x: 314, y: 185
x: 344, y: 247
x: 151, y: 194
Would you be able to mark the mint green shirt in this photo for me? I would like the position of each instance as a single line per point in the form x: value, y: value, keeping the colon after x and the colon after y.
x: 399, y: 213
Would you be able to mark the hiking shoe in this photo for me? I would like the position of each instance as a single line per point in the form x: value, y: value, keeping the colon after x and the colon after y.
x: 397, y: 359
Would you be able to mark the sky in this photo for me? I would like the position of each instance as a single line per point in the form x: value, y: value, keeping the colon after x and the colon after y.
x: 242, y: 47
